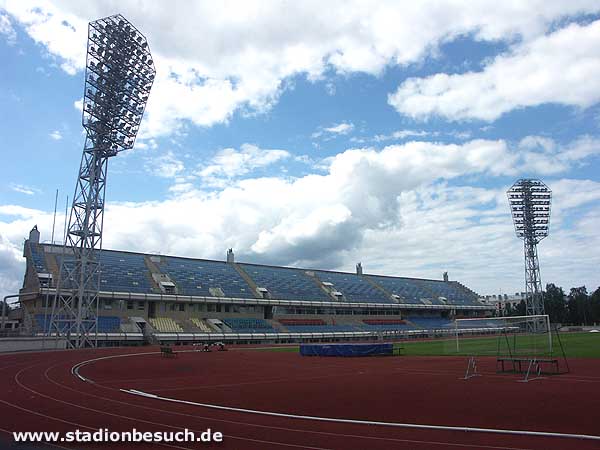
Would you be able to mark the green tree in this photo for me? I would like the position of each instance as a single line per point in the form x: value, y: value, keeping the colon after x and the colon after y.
x: 579, y: 306
x: 595, y: 306
x: 554, y: 303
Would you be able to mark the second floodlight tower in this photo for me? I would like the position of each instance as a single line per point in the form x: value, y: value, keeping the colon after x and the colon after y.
x: 118, y: 77
x: 530, y: 201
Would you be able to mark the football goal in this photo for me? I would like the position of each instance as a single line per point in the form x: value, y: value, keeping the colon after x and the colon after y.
x: 504, y: 336
x: 523, y: 344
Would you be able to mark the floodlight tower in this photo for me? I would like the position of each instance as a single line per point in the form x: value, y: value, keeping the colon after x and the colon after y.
x: 530, y: 202
x: 118, y: 78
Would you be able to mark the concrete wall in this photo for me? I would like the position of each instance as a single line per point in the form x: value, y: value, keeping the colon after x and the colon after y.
x: 19, y: 344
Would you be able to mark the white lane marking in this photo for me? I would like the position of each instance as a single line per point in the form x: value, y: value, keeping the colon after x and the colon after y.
x: 369, y: 422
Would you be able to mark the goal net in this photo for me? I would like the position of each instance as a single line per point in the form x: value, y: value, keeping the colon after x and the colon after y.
x: 508, y: 337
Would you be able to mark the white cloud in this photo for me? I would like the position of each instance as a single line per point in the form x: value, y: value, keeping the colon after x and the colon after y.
x: 21, y: 188
x: 339, y: 129
x: 15, y: 223
x: 78, y: 104
x: 142, y: 144
x: 544, y: 156
x: 557, y: 68
x: 230, y: 163
x: 18, y: 211
x: 164, y: 166
x: 569, y: 194
x: 400, y: 134
x: 7, y: 30
x: 533, y: 142
x: 12, y: 267
x: 451, y: 228
x: 313, y: 219
x: 62, y: 33
x: 245, y: 53
x: 56, y: 135
x: 394, y: 209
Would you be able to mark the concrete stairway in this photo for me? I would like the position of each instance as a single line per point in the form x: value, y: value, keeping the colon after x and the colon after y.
x: 380, y: 288
x: 247, y: 279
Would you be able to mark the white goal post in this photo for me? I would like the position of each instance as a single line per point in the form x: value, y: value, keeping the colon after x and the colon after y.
x: 515, y: 335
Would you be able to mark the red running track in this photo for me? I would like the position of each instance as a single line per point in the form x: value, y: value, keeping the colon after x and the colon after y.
x: 41, y: 394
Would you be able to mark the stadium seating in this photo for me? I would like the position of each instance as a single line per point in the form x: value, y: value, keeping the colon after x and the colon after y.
x: 431, y: 323
x: 120, y: 271
x: 322, y: 328
x: 165, y: 325
x: 354, y: 287
x: 37, y: 256
x: 124, y: 272
x: 199, y: 323
x: 301, y: 322
x: 196, y: 277
x: 106, y: 324
x: 285, y: 284
x: 453, y: 294
x: 406, y: 288
x: 319, y: 326
x: 385, y: 325
x: 42, y: 323
x: 482, y: 323
x: 109, y: 324
x: 315, y: 326
x: 384, y: 322
x: 414, y: 291
x: 239, y: 325
x: 128, y: 272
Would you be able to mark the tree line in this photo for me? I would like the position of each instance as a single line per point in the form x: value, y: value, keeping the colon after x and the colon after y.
x: 578, y: 307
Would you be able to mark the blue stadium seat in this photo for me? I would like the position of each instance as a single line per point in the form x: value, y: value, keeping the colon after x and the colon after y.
x: 409, y: 291
x: 127, y: 272
x: 241, y: 325
x: 109, y: 324
x: 124, y: 272
x: 453, y: 294
x: 354, y: 287
x: 37, y: 255
x: 120, y: 272
x: 286, y: 283
x: 415, y: 291
x: 385, y: 325
x: 106, y: 324
x: 432, y: 323
x: 321, y: 328
x: 196, y: 277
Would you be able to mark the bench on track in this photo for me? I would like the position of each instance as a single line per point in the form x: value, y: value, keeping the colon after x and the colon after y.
x: 521, y: 364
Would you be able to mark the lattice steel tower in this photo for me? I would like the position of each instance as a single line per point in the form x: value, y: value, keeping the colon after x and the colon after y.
x: 118, y: 78
x: 530, y: 202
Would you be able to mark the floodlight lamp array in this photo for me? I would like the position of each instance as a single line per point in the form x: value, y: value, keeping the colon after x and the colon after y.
x: 119, y: 75
x: 530, y: 203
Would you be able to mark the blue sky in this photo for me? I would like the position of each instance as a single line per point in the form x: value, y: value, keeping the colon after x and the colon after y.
x: 319, y: 137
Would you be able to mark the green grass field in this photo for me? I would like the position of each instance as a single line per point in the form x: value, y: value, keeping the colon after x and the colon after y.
x: 576, y: 345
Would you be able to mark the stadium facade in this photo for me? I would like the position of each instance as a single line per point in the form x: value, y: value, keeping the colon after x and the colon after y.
x: 157, y: 298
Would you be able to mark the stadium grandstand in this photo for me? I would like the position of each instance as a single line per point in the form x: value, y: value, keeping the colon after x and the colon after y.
x: 167, y: 299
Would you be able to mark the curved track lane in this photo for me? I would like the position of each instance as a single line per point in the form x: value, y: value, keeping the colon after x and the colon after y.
x: 41, y: 394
